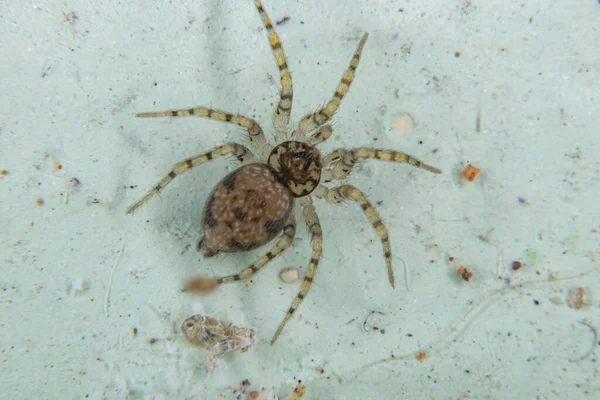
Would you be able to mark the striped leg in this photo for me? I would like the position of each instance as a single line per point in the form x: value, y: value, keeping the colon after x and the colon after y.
x: 281, y: 118
x: 346, y: 192
x: 242, y: 153
x: 312, y: 121
x: 341, y: 161
x: 320, y: 136
x: 314, y: 226
x: 255, y: 132
x: 289, y: 231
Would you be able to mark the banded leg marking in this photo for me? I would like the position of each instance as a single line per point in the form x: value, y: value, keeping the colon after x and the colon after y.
x: 347, y: 192
x: 314, y: 226
x: 342, y: 161
x: 255, y: 132
x: 320, y: 135
x: 289, y: 231
x: 242, y: 153
x: 281, y: 118
x: 312, y: 121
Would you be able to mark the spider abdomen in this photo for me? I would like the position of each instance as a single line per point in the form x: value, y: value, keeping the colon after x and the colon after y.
x: 245, y: 210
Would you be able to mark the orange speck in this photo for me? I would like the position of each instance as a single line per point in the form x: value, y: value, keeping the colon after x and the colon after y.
x: 420, y: 355
x: 470, y: 172
x: 201, y: 284
x: 253, y: 394
x: 577, y: 298
x: 464, y: 272
x: 3, y: 172
x: 58, y: 166
x: 39, y: 202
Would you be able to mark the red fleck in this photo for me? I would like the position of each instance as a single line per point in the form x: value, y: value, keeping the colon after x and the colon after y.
x: 470, y: 172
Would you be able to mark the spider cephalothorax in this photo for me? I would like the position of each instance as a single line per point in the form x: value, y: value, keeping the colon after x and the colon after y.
x: 298, y: 166
x: 253, y: 204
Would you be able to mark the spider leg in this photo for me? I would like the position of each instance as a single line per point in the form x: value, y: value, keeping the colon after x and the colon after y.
x: 338, y: 194
x: 255, y: 132
x: 340, y: 162
x: 281, y: 118
x: 286, y: 239
x: 312, y: 121
x: 321, y: 135
x: 242, y: 153
x: 312, y: 221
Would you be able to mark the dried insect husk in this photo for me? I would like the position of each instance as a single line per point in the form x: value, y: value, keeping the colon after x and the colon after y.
x: 216, y: 336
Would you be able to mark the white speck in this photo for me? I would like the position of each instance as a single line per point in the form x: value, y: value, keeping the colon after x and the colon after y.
x: 403, y: 123
x: 77, y: 286
x: 289, y: 275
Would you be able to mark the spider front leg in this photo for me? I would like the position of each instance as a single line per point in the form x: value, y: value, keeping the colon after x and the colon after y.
x: 241, y: 152
x: 314, y: 226
x: 281, y: 118
x: 255, y: 132
x: 312, y: 121
x: 340, y: 162
x: 205, y: 284
x: 321, y: 135
x: 338, y: 194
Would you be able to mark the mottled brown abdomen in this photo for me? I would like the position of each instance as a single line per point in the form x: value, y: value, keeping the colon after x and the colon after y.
x: 247, y: 209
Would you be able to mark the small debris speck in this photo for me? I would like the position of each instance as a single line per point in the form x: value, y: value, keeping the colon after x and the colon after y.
x: 289, y: 275
x: 577, y: 298
x: 282, y: 20
x: 516, y: 265
x: 464, y: 273
x: 403, y: 124
x: 470, y: 172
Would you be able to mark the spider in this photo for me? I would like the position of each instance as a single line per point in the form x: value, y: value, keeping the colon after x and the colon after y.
x: 254, y: 204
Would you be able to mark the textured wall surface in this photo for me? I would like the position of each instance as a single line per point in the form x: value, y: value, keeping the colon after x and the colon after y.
x: 90, y: 305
